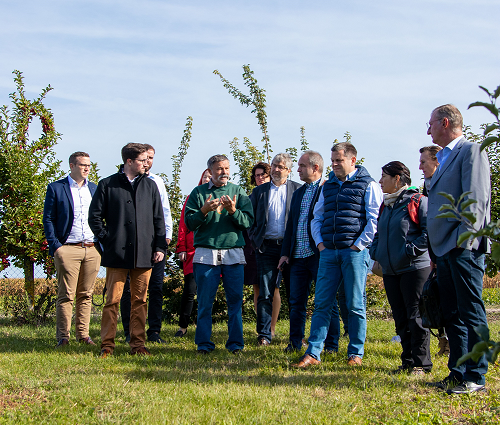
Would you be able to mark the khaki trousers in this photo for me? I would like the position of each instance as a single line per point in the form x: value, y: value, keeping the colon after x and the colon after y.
x: 115, y: 280
x: 77, y: 269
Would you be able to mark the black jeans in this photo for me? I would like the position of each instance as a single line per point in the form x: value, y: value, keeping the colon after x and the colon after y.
x: 187, y: 300
x: 155, y: 301
x: 403, y: 292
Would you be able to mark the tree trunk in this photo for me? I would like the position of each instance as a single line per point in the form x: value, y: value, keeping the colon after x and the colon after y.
x: 29, y: 281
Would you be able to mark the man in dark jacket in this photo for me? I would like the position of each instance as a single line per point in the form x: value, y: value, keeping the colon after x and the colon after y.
x: 127, y: 218
x: 271, y: 204
x: 344, y: 224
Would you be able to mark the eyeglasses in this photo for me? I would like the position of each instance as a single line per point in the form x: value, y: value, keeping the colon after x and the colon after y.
x: 84, y: 165
x: 142, y: 160
x: 261, y: 175
x: 279, y: 167
x: 429, y: 124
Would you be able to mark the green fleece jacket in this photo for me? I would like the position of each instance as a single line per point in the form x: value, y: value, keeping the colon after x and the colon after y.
x: 218, y: 229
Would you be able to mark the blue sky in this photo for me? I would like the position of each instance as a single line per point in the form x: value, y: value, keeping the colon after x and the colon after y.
x: 127, y: 71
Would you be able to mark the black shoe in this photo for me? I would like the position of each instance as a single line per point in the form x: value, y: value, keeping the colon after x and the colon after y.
x: 406, y: 368
x: 127, y: 338
x: 466, y: 387
x: 291, y: 349
x: 180, y: 334
x: 202, y: 352
x: 62, y: 342
x: 155, y: 337
x: 444, y: 384
x: 237, y: 351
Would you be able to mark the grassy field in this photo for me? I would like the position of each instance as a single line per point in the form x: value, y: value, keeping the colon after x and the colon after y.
x: 39, y: 384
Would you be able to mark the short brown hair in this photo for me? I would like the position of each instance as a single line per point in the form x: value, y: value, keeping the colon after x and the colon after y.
x: 264, y: 165
x: 74, y: 156
x: 149, y: 147
x: 132, y: 151
x: 452, y: 113
x: 348, y: 148
x: 431, y: 150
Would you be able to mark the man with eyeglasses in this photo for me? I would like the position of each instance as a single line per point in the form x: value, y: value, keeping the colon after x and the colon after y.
x: 463, y: 167
x: 126, y: 216
x: 271, y: 204
x: 71, y: 243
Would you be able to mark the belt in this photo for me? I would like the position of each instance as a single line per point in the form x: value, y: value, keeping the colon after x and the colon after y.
x: 82, y: 244
x: 273, y: 241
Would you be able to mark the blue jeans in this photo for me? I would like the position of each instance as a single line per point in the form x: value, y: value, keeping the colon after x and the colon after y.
x: 207, y: 278
x: 335, y: 265
x: 460, y: 280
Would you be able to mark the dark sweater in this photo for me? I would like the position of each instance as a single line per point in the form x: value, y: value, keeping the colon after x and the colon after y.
x: 218, y: 229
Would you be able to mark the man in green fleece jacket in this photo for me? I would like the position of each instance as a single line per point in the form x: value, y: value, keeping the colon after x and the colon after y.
x: 217, y: 212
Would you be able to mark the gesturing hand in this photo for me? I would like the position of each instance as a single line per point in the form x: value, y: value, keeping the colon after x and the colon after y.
x: 229, y: 204
x: 210, y: 205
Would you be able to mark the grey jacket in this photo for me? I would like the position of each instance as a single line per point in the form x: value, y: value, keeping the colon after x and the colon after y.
x: 400, y: 245
x: 466, y: 170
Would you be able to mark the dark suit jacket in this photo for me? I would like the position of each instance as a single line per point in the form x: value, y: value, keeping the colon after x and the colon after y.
x: 293, y: 220
x: 58, y: 212
x: 466, y: 170
x: 260, y: 203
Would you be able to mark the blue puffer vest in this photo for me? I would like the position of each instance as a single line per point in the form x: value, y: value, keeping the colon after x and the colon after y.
x: 344, y: 215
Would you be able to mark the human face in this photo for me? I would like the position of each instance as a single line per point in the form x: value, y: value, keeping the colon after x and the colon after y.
x: 388, y: 183
x: 138, y: 166
x: 436, y: 130
x: 427, y: 165
x: 220, y: 173
x: 261, y: 176
x: 206, y: 177
x: 342, y: 165
x: 307, y: 172
x: 149, y: 163
x: 80, y: 170
x: 279, y: 172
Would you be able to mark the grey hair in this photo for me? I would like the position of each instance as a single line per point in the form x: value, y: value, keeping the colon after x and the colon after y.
x: 216, y: 158
x: 315, y: 158
x: 348, y: 148
x: 285, y: 158
x: 452, y: 113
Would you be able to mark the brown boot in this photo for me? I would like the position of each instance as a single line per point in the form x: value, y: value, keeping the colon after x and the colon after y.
x: 444, y: 346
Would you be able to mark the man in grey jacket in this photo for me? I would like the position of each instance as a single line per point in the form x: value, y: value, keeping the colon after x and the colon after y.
x: 463, y: 167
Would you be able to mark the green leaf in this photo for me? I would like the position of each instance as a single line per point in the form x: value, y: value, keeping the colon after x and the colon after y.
x: 488, y: 141
x: 484, y: 104
x: 445, y: 207
x: 469, y: 216
x: 463, y: 359
x: 497, y: 93
x: 489, y: 106
x: 462, y: 196
x: 484, y: 333
x: 495, y: 352
x: 447, y: 215
x: 467, y: 203
x: 490, y: 128
x: 486, y: 90
x: 495, y: 252
x: 463, y: 237
x: 447, y: 196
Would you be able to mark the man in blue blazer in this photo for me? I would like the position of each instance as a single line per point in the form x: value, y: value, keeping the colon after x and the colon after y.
x: 463, y: 167
x: 271, y: 204
x: 71, y: 242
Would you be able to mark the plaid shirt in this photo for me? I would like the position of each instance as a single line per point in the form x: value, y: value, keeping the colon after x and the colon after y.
x: 302, y: 247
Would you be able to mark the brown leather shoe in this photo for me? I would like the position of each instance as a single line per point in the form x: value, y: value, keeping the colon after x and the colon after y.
x: 306, y: 361
x: 62, y: 342
x: 263, y: 342
x: 444, y: 346
x: 87, y: 341
x: 354, y: 361
x: 105, y: 352
x: 143, y: 351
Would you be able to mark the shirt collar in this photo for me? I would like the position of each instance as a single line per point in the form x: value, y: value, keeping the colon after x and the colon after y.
x: 453, y: 143
x: 211, y: 184
x: 73, y: 183
x: 315, y: 183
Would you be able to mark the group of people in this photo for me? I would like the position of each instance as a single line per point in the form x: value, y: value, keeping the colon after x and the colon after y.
x: 322, y: 231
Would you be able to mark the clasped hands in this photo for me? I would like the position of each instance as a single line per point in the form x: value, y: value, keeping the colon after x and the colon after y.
x: 212, y: 204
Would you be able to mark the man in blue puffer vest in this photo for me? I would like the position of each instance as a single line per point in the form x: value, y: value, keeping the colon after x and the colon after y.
x: 344, y: 224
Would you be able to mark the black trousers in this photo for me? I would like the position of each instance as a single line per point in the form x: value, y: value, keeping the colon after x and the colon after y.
x: 403, y: 292
x: 155, y: 306
x: 187, y: 300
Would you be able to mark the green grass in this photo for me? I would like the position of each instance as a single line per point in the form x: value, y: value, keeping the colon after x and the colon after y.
x: 39, y: 384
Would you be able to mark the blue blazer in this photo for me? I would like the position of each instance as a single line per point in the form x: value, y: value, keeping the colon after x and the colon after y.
x: 293, y: 221
x: 260, y: 203
x: 58, y: 212
x: 466, y: 170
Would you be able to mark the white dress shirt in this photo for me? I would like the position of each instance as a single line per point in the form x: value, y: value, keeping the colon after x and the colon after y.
x: 80, y: 231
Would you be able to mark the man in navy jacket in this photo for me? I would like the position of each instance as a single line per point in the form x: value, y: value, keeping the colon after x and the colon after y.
x: 71, y: 242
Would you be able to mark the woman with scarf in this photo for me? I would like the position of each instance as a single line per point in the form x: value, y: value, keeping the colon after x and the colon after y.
x: 400, y: 246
